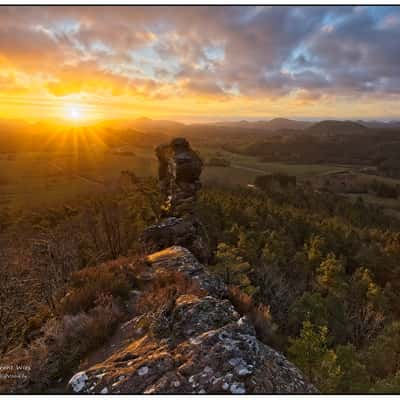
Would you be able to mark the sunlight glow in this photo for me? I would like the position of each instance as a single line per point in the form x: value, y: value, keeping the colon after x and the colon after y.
x: 74, y: 112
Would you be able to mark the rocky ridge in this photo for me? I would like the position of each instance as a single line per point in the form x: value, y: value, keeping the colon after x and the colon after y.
x: 196, y: 342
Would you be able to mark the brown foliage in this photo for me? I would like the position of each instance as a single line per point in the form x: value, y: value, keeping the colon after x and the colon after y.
x: 166, y: 287
x: 116, y: 278
x: 64, y: 341
x: 85, y: 318
x: 258, y: 314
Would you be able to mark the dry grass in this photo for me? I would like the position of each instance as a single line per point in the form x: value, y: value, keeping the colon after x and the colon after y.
x: 85, y: 318
x: 64, y: 341
x: 114, y: 278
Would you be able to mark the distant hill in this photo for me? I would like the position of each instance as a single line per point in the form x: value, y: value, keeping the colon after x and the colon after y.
x: 380, y: 124
x: 144, y: 124
x: 332, y: 127
x: 147, y: 124
x: 283, y: 123
x: 271, y: 125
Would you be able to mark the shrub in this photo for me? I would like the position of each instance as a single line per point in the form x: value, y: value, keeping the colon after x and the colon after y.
x: 84, y: 319
x: 167, y: 287
x: 64, y: 342
x: 259, y: 314
x: 81, y: 333
x: 115, y: 278
x: 38, y: 320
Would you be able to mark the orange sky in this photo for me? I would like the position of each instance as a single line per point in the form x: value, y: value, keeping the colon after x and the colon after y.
x: 199, y: 63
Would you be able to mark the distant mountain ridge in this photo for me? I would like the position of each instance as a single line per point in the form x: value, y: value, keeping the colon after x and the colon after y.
x: 272, y: 125
x: 333, y: 127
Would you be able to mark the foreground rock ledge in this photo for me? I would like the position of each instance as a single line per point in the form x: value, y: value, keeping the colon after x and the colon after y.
x: 206, y: 348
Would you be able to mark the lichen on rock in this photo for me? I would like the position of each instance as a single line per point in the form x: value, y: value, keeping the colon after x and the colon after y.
x: 210, y: 349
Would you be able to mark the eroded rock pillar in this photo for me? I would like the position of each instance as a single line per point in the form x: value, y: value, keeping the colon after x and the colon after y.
x: 179, y: 175
x: 179, y: 178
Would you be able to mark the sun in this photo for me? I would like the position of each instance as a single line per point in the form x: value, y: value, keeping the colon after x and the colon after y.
x: 74, y: 112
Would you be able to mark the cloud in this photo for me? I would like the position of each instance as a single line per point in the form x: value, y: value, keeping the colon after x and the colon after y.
x: 262, y: 52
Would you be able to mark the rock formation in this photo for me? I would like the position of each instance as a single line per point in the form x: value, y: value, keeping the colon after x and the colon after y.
x: 179, y: 176
x: 196, y: 342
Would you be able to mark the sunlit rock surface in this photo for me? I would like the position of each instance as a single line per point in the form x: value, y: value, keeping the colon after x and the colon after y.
x: 200, y: 345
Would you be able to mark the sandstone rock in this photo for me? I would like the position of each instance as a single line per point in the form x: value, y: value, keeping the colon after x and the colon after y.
x: 179, y: 175
x: 207, y: 348
x: 177, y: 231
x: 180, y: 259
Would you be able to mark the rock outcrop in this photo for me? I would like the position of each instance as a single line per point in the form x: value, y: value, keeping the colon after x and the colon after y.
x: 179, y: 176
x: 196, y: 342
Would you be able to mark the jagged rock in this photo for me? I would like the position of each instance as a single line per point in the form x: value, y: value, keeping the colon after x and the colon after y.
x: 206, y: 347
x: 186, y: 232
x: 179, y: 175
x: 180, y: 259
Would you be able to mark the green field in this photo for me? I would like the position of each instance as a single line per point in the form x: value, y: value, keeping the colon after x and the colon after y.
x: 299, y: 170
x: 41, y: 179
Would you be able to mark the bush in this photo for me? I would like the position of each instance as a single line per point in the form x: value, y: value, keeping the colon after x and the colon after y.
x: 259, y: 314
x: 81, y: 333
x: 167, y: 287
x: 115, y: 278
x: 64, y: 342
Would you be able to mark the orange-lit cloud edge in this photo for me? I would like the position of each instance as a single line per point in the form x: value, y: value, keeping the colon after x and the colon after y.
x: 54, y: 59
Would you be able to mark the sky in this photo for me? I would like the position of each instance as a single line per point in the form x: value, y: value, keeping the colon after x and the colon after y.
x: 199, y: 63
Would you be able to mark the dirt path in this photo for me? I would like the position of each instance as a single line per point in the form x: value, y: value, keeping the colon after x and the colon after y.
x: 248, y: 168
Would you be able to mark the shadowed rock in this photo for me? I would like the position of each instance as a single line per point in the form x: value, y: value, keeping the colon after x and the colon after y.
x: 179, y: 175
x: 179, y: 178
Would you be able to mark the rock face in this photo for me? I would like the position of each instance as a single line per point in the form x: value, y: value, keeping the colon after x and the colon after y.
x: 179, y: 174
x: 198, y: 342
x: 179, y: 177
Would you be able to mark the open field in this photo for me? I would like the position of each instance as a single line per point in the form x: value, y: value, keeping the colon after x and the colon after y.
x: 42, y: 179
x: 300, y: 170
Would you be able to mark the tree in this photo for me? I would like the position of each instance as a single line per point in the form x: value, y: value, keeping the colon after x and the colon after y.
x: 390, y: 384
x: 383, y: 354
x: 232, y: 268
x: 330, y: 275
x: 310, y: 352
x: 353, y: 376
x: 364, y: 306
x: 310, y: 306
x: 278, y: 248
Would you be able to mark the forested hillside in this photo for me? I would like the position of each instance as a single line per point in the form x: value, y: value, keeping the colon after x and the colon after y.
x: 328, y: 270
